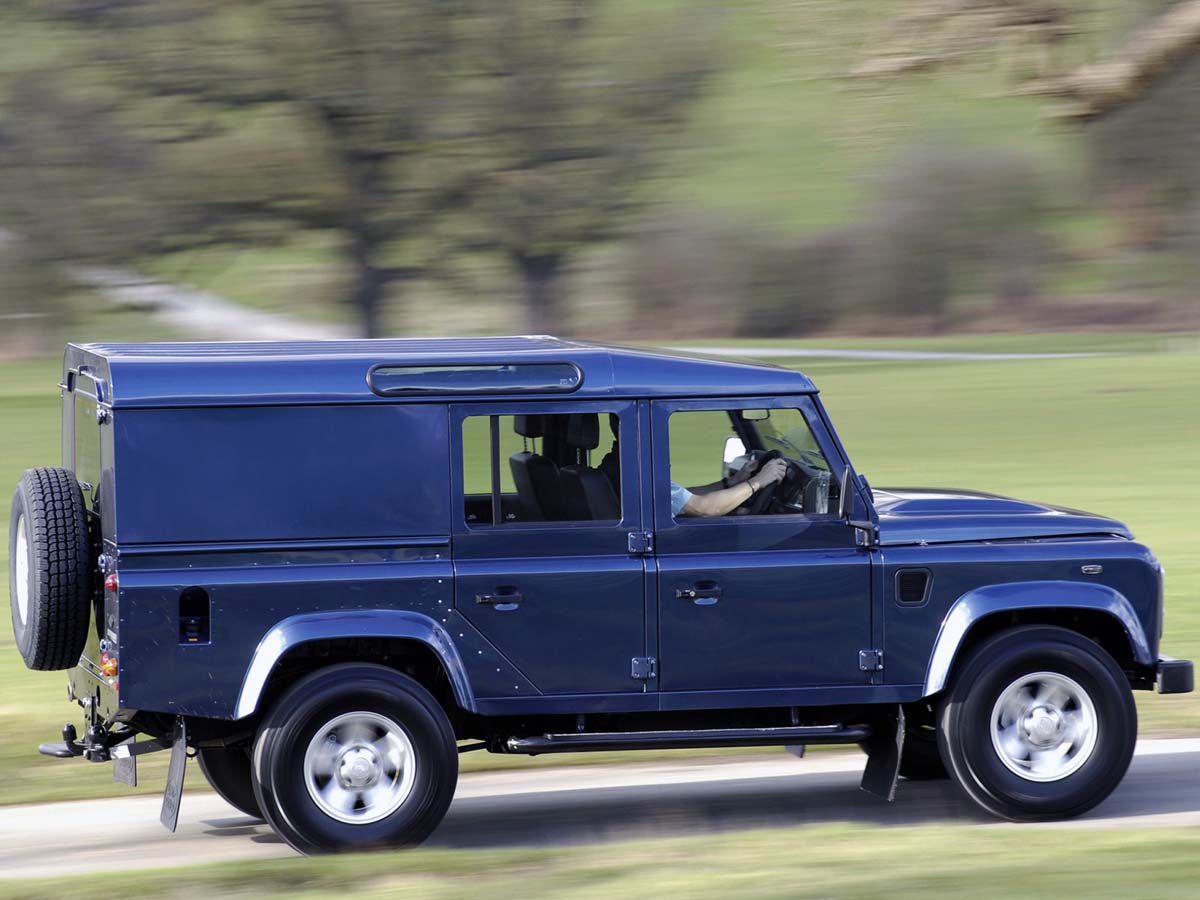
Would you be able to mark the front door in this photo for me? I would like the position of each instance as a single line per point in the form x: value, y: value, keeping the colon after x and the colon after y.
x: 546, y: 496
x: 771, y: 598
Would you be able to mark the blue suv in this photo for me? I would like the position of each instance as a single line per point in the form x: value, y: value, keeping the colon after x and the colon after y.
x: 329, y: 568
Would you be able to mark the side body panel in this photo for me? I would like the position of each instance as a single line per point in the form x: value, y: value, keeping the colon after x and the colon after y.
x: 280, y: 473
x: 969, y: 581
x: 384, y: 589
x: 276, y: 512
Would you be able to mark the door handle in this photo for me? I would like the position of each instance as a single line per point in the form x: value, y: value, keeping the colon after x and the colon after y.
x: 504, y: 600
x: 703, y: 593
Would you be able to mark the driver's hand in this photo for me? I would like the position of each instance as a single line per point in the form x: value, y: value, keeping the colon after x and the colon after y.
x: 771, y: 473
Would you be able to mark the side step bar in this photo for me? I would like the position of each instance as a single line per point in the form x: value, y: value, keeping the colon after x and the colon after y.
x: 678, y: 740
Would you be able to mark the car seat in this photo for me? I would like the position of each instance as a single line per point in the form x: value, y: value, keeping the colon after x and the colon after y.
x: 586, y: 491
x: 535, y: 476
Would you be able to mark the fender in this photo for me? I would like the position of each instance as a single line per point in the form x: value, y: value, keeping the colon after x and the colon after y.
x: 974, y: 605
x: 371, y: 623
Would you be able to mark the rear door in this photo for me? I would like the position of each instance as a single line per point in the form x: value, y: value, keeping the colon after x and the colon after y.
x: 562, y: 598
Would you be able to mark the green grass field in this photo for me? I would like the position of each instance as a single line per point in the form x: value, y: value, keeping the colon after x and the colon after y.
x: 821, y: 861
x: 1118, y: 434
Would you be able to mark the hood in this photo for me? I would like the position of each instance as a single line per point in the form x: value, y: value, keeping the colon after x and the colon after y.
x: 932, y: 516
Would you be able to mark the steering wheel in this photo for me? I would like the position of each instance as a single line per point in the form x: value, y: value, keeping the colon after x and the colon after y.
x: 762, y: 500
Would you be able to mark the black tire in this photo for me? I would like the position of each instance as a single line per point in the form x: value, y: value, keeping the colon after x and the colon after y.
x: 965, y: 727
x: 307, y: 709
x: 921, y: 760
x: 228, y: 771
x: 48, y: 551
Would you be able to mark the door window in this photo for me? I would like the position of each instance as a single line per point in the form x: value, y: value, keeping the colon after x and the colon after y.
x: 541, y: 468
x: 717, y: 453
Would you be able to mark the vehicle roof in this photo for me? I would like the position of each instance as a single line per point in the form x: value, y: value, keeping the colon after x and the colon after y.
x: 267, y: 372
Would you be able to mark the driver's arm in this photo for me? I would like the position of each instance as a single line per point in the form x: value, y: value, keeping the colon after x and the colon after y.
x: 718, y: 503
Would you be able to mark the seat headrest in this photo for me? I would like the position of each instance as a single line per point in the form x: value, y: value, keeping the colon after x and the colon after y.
x: 532, y: 426
x: 583, y: 431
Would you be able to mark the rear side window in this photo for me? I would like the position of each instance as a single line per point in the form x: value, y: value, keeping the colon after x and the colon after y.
x: 523, y: 378
x: 87, y: 446
x: 541, y: 468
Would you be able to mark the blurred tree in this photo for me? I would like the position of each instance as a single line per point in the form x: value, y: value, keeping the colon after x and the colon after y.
x: 241, y: 122
x: 214, y: 121
x: 570, y: 117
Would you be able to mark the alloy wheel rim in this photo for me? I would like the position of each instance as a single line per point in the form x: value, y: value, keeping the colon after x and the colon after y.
x: 22, y: 571
x: 359, y: 767
x: 1044, y: 727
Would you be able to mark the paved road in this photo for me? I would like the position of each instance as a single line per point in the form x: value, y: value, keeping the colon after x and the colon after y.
x: 574, y: 805
x: 903, y: 355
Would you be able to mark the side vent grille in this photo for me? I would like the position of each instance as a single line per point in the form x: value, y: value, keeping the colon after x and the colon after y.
x: 912, y: 586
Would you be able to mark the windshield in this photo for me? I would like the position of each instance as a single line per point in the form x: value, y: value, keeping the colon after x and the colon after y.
x: 785, y: 430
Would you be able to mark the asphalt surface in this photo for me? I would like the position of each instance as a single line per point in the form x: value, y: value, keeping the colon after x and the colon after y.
x: 578, y: 805
x: 901, y: 355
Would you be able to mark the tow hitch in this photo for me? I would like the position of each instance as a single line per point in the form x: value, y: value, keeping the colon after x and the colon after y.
x: 101, y: 745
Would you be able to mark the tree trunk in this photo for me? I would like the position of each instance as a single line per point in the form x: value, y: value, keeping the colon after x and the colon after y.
x: 370, y: 284
x: 368, y: 299
x: 541, y: 280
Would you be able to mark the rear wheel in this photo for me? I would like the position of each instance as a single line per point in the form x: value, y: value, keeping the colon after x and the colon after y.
x: 1039, y: 724
x: 921, y: 760
x: 50, y: 569
x: 355, y: 756
x: 228, y: 771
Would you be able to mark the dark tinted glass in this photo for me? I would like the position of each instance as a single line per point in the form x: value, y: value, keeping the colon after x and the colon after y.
x: 87, y: 445
x: 526, y: 378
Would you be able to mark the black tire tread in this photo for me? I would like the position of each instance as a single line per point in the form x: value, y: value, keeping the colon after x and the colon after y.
x: 59, y: 608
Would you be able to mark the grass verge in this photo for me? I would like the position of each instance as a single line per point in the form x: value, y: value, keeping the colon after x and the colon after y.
x: 825, y: 861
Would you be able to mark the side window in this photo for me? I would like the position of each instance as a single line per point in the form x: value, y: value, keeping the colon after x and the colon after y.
x: 541, y: 468
x: 718, y: 452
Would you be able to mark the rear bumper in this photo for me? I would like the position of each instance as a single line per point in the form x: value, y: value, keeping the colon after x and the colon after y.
x: 1173, y: 676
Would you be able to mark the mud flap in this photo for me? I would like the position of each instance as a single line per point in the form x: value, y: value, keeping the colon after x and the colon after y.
x: 173, y: 793
x: 884, y: 750
x: 124, y: 765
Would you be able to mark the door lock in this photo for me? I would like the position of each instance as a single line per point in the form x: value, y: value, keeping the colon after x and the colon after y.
x: 705, y: 593
x: 504, y: 600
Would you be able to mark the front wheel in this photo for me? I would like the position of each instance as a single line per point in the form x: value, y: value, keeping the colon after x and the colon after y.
x: 355, y: 756
x: 1039, y: 724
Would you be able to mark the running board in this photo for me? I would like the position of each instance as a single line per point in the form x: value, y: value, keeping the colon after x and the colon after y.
x: 679, y: 740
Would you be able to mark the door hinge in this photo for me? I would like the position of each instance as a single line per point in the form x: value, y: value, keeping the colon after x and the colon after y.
x: 641, y: 543
x: 870, y: 660
x: 644, y: 668
x: 866, y: 534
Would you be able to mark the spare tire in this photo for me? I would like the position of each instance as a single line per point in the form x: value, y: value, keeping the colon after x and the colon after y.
x: 49, y: 572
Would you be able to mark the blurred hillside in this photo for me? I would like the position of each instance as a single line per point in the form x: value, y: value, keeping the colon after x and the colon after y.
x: 652, y: 169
